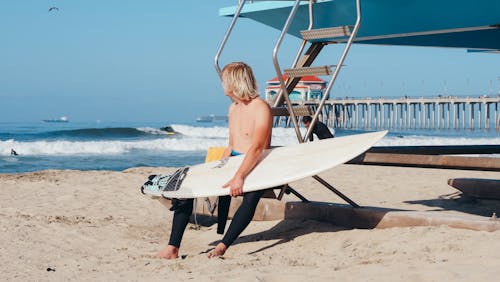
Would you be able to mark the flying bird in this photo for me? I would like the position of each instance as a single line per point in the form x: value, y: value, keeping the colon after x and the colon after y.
x: 53, y: 9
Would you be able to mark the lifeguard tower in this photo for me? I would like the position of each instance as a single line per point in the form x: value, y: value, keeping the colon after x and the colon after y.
x: 472, y: 25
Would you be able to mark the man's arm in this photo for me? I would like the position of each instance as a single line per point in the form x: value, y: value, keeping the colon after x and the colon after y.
x: 229, y: 147
x: 260, y: 142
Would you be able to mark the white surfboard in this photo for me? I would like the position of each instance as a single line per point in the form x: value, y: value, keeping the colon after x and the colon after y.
x: 277, y: 166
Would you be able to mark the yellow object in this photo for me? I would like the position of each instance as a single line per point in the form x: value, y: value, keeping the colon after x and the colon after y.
x: 214, y: 154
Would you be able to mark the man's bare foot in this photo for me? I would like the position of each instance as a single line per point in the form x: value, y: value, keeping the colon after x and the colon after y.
x: 170, y: 252
x: 219, y: 250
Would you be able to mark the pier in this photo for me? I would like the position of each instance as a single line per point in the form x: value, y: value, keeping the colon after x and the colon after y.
x: 450, y: 112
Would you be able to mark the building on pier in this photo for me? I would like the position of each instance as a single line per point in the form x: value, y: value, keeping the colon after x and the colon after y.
x: 309, y: 89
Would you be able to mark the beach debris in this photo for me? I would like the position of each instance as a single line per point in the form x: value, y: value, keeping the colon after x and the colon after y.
x: 53, y: 8
x: 51, y: 269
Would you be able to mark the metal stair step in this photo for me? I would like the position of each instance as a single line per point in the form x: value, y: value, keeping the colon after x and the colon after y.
x: 297, y: 110
x: 324, y: 33
x: 300, y: 72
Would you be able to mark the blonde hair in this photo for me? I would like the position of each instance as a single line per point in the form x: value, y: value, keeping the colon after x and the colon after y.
x: 238, y: 78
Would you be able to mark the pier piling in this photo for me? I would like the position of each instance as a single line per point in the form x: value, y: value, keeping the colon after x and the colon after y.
x: 449, y: 112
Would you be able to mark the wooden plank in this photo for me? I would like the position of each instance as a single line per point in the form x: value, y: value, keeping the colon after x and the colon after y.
x: 455, y: 162
x: 438, y: 150
x: 297, y: 110
x: 364, y: 218
x: 476, y: 187
x: 384, y: 218
x: 267, y: 209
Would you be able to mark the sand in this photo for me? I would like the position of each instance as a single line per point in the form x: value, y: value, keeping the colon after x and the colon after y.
x: 95, y: 225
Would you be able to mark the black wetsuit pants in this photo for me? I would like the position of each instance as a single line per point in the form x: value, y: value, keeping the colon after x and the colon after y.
x: 184, y: 208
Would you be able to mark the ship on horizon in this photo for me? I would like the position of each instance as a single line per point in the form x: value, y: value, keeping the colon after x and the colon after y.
x: 61, y: 119
x: 212, y: 118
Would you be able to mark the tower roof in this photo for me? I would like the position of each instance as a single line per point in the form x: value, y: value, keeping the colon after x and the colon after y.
x: 308, y: 78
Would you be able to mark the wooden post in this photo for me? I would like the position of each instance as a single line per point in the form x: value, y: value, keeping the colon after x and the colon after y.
x: 391, y: 120
x: 487, y: 115
x: 497, y: 118
x: 454, y: 115
x: 433, y: 116
x: 438, y: 116
x: 383, y: 115
x: 408, y: 115
x: 479, y: 110
x: 448, y: 115
x: 369, y: 115
x: 344, y: 118
x: 463, y: 115
x: 397, y: 117
x: 471, y: 116
x: 355, y: 116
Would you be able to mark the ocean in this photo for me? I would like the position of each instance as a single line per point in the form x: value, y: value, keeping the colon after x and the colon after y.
x: 121, y: 145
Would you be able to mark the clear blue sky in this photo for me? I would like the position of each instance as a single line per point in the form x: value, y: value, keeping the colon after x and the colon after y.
x: 122, y: 60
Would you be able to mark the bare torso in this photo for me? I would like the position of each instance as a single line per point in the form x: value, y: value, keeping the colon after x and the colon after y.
x: 242, y: 120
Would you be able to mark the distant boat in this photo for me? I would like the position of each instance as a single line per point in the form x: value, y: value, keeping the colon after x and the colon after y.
x: 61, y: 119
x: 212, y: 118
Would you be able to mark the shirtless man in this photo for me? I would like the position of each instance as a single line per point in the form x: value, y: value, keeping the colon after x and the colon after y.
x: 250, y: 126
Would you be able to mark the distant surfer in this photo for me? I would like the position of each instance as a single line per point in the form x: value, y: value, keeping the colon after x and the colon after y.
x: 53, y: 9
x: 320, y: 129
x: 250, y: 126
x: 13, y: 152
x: 168, y: 129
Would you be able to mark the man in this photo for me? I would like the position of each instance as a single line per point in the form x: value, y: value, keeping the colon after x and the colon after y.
x: 250, y: 127
x: 320, y: 129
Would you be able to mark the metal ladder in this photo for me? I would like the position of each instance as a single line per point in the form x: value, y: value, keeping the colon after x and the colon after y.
x: 302, y: 66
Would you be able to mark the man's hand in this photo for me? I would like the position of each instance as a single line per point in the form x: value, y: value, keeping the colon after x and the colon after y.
x: 235, y: 186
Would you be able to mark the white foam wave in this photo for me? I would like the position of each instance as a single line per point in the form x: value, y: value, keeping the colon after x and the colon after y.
x: 202, y: 132
x: 105, y: 147
x: 152, y: 130
x: 200, y: 139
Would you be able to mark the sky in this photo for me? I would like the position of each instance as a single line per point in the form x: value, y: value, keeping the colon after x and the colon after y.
x: 153, y: 61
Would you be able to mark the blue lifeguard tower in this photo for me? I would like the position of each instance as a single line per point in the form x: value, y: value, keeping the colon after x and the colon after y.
x: 473, y: 25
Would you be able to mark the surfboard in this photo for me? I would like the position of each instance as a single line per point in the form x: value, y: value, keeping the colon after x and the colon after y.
x: 277, y: 166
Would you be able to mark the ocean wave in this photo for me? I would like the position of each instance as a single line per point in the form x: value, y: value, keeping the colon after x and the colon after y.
x: 108, y: 132
x: 202, y: 132
x: 105, y: 147
x: 193, y: 138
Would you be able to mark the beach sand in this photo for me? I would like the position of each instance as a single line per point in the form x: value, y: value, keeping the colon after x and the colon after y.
x: 95, y: 225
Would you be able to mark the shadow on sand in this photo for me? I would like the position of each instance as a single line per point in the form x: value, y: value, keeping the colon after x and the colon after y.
x: 285, y: 231
x: 315, y: 217
x: 462, y: 203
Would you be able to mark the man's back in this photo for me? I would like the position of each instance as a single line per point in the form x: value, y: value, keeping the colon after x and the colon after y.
x: 321, y: 130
